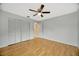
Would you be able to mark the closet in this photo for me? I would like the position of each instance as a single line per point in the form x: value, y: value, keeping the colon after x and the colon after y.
x: 18, y: 30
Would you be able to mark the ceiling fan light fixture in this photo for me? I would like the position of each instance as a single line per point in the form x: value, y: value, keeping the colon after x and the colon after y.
x: 39, y: 13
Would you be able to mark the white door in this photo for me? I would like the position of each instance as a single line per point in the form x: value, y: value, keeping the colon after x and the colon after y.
x: 18, y: 35
x: 11, y: 31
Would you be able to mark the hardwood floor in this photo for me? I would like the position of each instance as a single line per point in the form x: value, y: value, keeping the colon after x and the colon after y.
x: 39, y: 47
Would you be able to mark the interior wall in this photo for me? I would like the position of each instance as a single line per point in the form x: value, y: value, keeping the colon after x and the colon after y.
x: 3, y: 29
x: 14, y: 28
x: 18, y: 30
x: 62, y: 29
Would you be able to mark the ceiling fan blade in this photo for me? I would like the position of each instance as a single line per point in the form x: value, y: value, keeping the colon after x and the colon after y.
x: 35, y: 14
x: 46, y: 12
x: 41, y: 8
x: 41, y: 15
x: 32, y: 10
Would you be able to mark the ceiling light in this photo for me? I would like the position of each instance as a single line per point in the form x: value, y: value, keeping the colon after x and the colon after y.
x: 39, y: 13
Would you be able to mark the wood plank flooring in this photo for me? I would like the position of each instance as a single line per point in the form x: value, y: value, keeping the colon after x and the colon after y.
x: 39, y: 47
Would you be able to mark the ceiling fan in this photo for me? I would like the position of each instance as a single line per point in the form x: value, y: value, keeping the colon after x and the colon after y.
x: 40, y: 11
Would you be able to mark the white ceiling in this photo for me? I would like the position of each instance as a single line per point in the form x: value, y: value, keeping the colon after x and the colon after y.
x: 56, y: 9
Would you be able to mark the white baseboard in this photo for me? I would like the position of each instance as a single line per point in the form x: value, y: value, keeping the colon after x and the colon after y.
x: 1, y: 46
